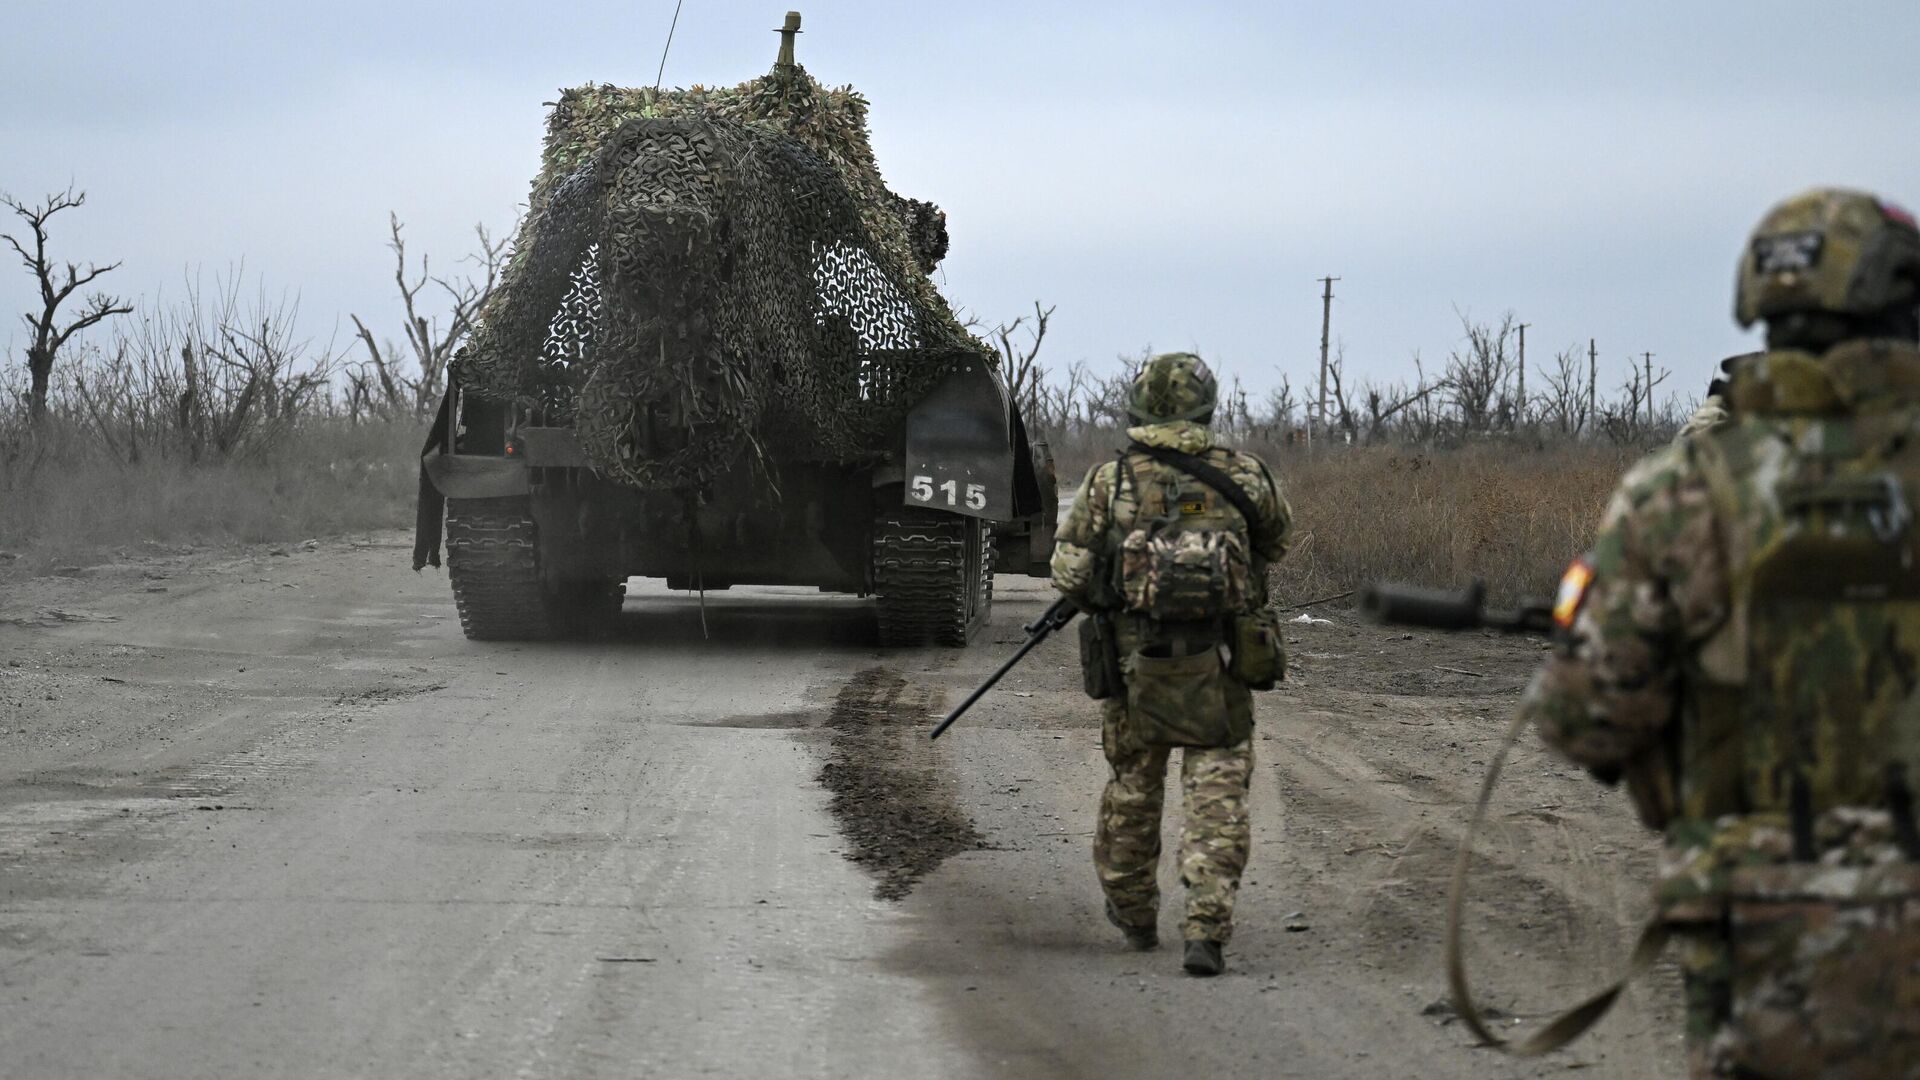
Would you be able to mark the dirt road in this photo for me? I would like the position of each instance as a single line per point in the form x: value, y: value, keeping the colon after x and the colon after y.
x: 273, y: 816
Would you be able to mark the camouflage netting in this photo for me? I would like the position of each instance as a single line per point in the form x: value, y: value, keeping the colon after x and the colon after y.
x: 711, y: 273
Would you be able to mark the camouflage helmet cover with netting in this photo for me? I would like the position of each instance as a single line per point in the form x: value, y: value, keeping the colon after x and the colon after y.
x: 1173, y: 386
x: 1832, y: 251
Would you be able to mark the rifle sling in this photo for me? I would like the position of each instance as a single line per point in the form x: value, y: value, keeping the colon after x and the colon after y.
x: 1206, y: 473
x: 1569, y: 1025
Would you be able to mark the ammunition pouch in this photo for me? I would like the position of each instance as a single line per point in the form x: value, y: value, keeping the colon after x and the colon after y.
x: 1100, y: 658
x: 1180, y: 698
x: 1259, y: 650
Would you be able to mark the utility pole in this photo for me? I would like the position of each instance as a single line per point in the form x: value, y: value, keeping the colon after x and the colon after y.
x: 1520, y: 411
x: 1326, y: 322
x: 1648, y: 358
x: 1593, y: 377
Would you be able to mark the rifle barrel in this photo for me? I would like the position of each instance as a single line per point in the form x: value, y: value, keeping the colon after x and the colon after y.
x: 980, y: 690
x: 1058, y: 615
x: 1452, y: 609
x: 1411, y: 605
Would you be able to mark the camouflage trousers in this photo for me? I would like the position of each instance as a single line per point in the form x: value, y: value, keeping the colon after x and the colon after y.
x: 1213, y: 844
x: 1788, y: 990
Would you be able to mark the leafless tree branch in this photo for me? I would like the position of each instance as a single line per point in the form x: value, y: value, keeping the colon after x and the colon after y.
x: 48, y: 335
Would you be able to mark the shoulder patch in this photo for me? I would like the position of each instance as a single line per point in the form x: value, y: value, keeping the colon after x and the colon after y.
x: 1573, y: 592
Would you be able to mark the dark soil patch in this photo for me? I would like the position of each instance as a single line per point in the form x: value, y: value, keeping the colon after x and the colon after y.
x: 896, y: 810
x: 764, y: 721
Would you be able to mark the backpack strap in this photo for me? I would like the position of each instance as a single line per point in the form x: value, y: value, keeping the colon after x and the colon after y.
x: 1208, y: 474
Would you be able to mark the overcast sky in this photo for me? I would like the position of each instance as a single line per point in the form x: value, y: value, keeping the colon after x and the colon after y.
x: 1173, y: 174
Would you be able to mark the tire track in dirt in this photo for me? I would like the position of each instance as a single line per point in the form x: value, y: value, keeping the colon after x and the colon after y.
x: 1378, y: 819
x: 893, y: 804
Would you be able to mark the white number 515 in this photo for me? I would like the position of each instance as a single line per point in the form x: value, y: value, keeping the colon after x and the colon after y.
x: 922, y: 489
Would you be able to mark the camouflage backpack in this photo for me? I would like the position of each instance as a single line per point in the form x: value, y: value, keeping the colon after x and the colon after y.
x: 1185, y: 558
x: 1810, y: 702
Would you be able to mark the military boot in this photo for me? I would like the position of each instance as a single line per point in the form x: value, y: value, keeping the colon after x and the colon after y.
x: 1204, y: 958
x: 1141, y: 938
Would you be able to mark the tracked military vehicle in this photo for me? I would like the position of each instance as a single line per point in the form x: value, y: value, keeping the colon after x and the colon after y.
x: 716, y: 357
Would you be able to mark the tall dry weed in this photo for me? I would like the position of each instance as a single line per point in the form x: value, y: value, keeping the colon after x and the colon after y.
x: 1510, y: 512
x: 1510, y: 517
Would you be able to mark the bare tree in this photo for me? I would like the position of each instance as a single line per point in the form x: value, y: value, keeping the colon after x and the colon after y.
x: 1233, y: 415
x: 212, y: 378
x: 1020, y: 360
x: 1423, y: 416
x: 1477, y: 379
x: 1107, y: 394
x: 1385, y: 404
x: 1336, y: 369
x: 1277, y: 420
x: 1066, y: 399
x: 431, y: 342
x: 1633, y: 416
x: 56, y: 287
x: 1565, y: 403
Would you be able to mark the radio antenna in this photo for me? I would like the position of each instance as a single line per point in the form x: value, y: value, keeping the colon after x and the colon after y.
x: 663, y: 51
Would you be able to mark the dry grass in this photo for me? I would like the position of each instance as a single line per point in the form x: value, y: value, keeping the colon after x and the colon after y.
x: 1511, y: 517
x: 1512, y: 513
x: 64, y: 501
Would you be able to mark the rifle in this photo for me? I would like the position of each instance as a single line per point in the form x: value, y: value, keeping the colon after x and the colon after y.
x: 1451, y: 609
x: 1055, y: 617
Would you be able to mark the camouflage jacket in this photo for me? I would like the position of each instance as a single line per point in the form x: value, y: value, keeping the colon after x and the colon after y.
x: 1088, y: 540
x: 1650, y: 631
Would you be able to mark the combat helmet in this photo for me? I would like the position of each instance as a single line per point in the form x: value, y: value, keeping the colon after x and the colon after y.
x: 1173, y: 386
x: 1831, y: 254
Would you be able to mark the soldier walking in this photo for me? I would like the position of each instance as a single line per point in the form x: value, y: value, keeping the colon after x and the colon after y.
x: 1166, y: 549
x: 1742, y: 645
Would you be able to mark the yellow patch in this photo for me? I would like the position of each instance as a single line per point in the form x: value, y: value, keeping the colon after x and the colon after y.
x: 1573, y: 593
x: 1193, y: 507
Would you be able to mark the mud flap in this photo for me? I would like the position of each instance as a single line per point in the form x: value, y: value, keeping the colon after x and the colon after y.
x: 446, y: 475
x: 959, y: 452
x: 1026, y: 546
x: 430, y: 509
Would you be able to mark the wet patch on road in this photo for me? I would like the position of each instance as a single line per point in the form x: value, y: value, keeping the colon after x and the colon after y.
x: 895, y: 808
x: 800, y: 718
x: 541, y: 841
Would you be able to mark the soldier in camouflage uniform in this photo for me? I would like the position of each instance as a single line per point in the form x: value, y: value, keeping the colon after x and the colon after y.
x: 1742, y: 646
x: 1097, y: 564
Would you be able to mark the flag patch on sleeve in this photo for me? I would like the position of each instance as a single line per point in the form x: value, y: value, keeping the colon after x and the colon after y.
x: 1573, y: 593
